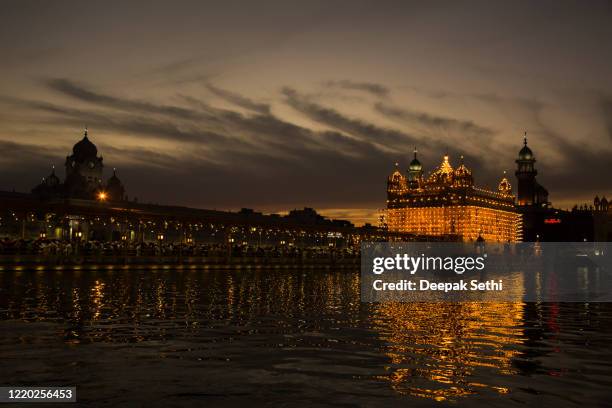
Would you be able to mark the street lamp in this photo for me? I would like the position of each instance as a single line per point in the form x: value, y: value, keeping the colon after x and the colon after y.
x: 102, y: 196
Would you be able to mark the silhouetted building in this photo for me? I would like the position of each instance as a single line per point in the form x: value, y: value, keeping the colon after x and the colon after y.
x: 529, y: 191
x: 543, y: 222
x: 84, y: 173
x: 602, y: 218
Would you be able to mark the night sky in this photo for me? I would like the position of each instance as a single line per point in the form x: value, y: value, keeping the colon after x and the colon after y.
x: 277, y: 105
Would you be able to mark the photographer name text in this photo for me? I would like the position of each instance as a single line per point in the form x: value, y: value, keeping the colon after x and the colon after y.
x: 426, y: 285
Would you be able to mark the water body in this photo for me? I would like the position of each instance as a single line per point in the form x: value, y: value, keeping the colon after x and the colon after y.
x: 176, y: 337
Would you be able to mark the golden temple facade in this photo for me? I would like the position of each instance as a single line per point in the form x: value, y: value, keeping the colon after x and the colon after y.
x: 447, y: 203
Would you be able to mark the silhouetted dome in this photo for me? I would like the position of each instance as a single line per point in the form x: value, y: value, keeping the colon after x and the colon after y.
x: 114, y: 179
x: 84, y: 149
x: 525, y: 153
x: 53, y: 180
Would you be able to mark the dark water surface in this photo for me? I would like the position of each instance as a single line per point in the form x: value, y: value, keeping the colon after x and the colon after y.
x: 175, y: 337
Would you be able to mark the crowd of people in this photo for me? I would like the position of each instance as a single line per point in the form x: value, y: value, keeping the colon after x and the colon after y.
x: 59, y: 248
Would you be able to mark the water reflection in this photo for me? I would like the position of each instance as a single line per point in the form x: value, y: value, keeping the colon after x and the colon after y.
x: 312, y: 323
x: 436, y: 349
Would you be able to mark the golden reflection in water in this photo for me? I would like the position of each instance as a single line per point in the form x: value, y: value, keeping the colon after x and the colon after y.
x: 76, y: 305
x: 446, y: 350
x: 97, y: 299
x: 160, y: 299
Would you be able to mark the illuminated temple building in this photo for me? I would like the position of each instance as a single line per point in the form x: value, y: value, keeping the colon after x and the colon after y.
x: 447, y: 203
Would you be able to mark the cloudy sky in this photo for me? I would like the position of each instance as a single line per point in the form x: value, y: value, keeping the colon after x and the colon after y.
x: 283, y: 104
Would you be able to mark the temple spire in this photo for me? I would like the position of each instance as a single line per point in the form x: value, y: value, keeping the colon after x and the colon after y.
x: 525, y: 139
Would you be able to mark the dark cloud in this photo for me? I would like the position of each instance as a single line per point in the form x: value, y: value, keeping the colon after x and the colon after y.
x: 254, y: 161
x: 581, y: 169
x: 149, y: 94
x: 578, y: 169
x: 433, y: 122
x: 129, y: 124
x: 23, y: 164
x: 372, y: 88
x: 399, y: 145
x: 239, y: 100
x: 390, y: 138
x: 74, y: 90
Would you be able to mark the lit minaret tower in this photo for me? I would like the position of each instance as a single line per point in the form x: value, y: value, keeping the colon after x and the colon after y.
x: 525, y: 174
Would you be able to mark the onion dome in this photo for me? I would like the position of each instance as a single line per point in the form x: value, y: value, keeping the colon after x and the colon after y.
x: 444, y: 172
x: 84, y: 149
x: 415, y: 164
x: 504, y: 186
x: 525, y: 153
x: 396, y: 176
x: 462, y: 170
x: 114, y: 180
x: 396, y: 180
x: 462, y: 176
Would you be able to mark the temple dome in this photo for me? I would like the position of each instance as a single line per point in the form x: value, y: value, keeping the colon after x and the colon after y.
x: 396, y: 180
x: 462, y: 170
x: 415, y: 164
x: 442, y: 174
x: 462, y: 176
x: 504, y: 186
x: 84, y: 149
x: 396, y: 177
x: 525, y: 153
